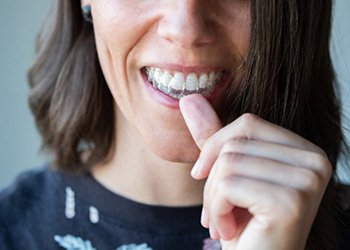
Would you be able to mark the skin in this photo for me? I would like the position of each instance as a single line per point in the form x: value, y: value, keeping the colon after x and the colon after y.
x: 260, y: 184
x: 264, y: 182
x: 133, y: 34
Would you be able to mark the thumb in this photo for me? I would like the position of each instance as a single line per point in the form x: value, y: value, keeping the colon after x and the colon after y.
x: 200, y: 117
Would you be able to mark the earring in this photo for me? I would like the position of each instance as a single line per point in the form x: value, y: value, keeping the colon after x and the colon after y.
x: 87, y: 13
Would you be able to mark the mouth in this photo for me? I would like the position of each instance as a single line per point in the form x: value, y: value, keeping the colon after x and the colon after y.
x: 177, y: 84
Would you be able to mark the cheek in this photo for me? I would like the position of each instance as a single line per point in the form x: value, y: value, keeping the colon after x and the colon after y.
x: 237, y: 27
x: 118, y: 23
x: 115, y: 37
x: 243, y: 39
x: 117, y: 31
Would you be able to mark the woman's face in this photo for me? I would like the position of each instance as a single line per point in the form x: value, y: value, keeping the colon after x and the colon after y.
x: 154, y: 51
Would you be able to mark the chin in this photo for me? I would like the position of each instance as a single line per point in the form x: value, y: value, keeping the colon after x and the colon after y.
x: 178, y: 158
x: 179, y: 152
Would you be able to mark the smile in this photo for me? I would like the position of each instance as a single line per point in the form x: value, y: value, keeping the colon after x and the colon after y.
x: 178, y: 84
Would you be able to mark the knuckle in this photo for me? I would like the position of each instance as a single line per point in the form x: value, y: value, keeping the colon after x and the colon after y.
x: 228, y: 147
x: 240, y: 141
x: 323, y: 165
x: 222, y: 187
x: 320, y: 159
x: 327, y: 169
x: 248, y: 119
x: 234, y: 145
x: 206, y: 141
x: 323, y: 153
x: 311, y: 181
x: 229, y: 158
x: 246, y: 124
x: 328, y: 173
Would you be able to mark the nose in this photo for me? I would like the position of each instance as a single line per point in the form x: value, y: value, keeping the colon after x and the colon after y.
x: 186, y: 23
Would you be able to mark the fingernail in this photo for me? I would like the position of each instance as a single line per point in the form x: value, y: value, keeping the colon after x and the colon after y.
x: 195, y: 169
x: 204, y: 218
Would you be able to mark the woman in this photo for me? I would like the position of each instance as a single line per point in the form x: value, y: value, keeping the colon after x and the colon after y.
x: 137, y: 95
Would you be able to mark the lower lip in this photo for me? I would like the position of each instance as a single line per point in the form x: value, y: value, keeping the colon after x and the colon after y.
x: 173, y: 103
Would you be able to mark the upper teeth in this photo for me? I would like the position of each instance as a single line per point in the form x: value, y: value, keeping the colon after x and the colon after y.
x: 178, y: 81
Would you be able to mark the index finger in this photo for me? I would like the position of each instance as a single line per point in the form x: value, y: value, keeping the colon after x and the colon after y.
x: 200, y: 117
x: 249, y: 127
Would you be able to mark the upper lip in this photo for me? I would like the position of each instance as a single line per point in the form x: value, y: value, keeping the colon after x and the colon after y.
x: 187, y: 69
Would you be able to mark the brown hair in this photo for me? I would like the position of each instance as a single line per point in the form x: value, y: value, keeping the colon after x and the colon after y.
x: 287, y: 79
x: 69, y: 97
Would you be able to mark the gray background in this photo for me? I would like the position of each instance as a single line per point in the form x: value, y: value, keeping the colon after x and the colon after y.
x: 19, y: 23
x: 19, y: 141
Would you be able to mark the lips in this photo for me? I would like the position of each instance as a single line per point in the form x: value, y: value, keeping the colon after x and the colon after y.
x: 176, y: 83
x: 168, y: 84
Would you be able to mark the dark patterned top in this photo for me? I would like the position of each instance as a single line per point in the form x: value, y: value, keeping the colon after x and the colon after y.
x: 47, y: 209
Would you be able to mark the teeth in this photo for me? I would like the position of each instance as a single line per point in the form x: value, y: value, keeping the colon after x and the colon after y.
x: 192, y: 82
x: 203, y: 81
x: 150, y: 71
x: 178, y: 81
x: 211, y: 79
x: 157, y: 75
x: 165, y: 79
x: 179, y: 84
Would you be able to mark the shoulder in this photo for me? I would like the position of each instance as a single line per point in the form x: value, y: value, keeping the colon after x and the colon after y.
x: 26, y: 185
x: 17, y: 200
x: 25, y: 207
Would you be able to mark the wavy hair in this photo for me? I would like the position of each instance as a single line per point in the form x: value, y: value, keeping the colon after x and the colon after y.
x: 287, y: 78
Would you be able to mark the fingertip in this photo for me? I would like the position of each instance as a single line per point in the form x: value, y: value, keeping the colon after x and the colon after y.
x: 227, y: 227
x: 187, y: 102
x: 204, y: 218
x: 193, y: 101
x: 200, y: 170
x: 199, y: 174
x: 184, y: 101
x: 227, y: 235
x: 200, y: 118
x: 213, y: 233
x: 191, y: 97
x: 195, y: 172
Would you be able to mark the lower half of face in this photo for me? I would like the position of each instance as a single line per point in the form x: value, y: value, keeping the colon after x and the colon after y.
x: 154, y: 115
x: 153, y: 54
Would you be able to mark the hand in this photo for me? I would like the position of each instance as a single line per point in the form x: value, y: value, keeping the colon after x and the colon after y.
x: 264, y: 182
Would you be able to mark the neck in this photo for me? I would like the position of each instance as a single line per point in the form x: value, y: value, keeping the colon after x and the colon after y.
x: 135, y: 172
